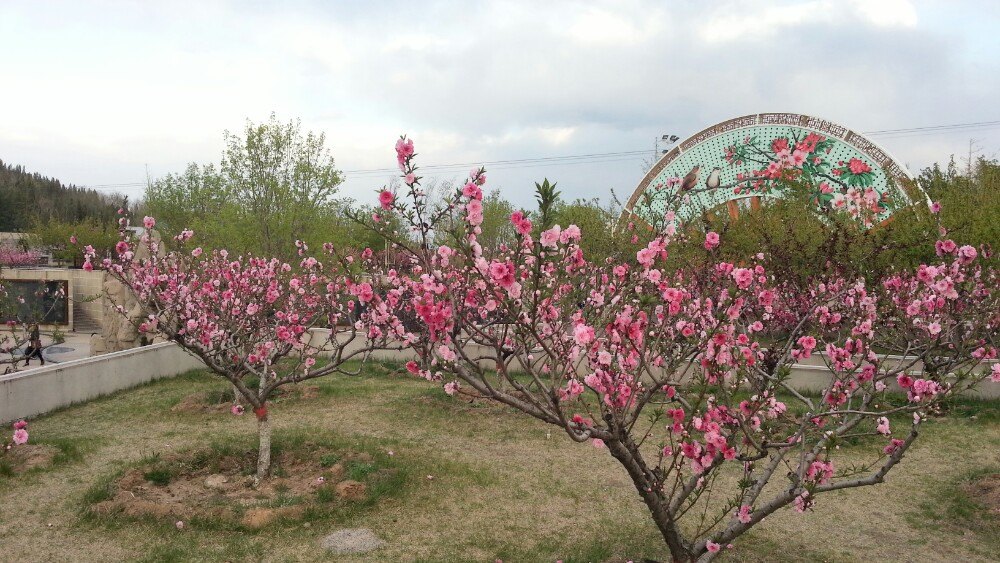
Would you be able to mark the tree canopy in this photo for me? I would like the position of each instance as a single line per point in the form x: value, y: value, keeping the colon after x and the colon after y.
x: 275, y: 184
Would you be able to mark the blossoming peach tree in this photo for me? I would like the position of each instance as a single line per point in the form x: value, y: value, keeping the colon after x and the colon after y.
x: 687, y: 379
x: 249, y: 318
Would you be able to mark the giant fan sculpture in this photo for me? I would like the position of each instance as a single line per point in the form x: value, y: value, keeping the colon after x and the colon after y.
x: 737, y: 162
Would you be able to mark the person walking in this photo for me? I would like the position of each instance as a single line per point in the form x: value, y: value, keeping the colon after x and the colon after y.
x: 35, y: 345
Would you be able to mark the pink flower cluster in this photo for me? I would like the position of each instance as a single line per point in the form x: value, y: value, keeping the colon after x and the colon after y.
x: 20, y: 433
x: 14, y: 257
x: 472, y: 195
x: 521, y: 223
x: 404, y: 152
x: 386, y: 199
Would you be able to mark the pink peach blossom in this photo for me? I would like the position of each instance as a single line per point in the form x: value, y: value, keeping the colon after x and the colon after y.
x: 386, y: 199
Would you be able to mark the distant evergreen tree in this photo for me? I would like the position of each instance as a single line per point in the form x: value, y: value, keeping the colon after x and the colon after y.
x: 28, y: 198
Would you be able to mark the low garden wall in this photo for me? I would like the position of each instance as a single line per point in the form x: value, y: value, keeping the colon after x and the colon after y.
x: 40, y: 390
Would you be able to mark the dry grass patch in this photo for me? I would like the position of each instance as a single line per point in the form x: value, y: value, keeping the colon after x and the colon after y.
x: 986, y: 490
x: 502, y: 486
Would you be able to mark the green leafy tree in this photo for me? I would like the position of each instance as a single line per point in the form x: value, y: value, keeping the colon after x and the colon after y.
x: 808, y: 244
x: 547, y: 197
x: 283, y: 180
x: 55, y: 235
x: 970, y: 204
x: 496, y: 226
x: 598, y: 224
x: 195, y: 199
x: 275, y: 184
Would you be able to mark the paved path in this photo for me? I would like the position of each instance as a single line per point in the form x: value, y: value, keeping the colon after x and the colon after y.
x: 75, y: 347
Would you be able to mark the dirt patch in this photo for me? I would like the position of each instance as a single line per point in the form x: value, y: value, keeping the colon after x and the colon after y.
x: 201, y: 403
x: 219, y: 488
x: 29, y: 456
x: 986, y: 491
x: 351, y: 490
x: 307, y: 391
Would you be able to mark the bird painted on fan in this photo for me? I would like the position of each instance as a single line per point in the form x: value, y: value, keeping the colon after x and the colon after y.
x: 712, y: 181
x: 691, y: 179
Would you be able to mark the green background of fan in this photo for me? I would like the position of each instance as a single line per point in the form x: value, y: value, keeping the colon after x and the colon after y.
x: 708, y: 149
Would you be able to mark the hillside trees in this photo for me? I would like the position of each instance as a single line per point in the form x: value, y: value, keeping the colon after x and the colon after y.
x: 29, y: 197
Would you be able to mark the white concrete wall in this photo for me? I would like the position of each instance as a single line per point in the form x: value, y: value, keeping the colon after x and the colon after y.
x: 41, y: 390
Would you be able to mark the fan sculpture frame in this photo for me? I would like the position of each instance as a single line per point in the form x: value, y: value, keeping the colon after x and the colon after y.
x: 755, y: 156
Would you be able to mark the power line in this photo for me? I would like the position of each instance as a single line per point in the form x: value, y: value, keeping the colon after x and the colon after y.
x: 566, y: 158
x: 933, y: 127
x: 574, y: 159
x: 594, y: 158
x: 439, y: 173
x: 904, y: 135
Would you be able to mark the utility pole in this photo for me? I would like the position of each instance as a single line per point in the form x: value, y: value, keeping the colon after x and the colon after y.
x: 668, y: 140
x: 968, y: 165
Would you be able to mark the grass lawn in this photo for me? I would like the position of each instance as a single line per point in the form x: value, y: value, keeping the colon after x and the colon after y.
x: 502, y: 486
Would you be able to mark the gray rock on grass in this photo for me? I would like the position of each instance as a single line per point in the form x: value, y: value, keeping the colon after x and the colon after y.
x: 352, y: 540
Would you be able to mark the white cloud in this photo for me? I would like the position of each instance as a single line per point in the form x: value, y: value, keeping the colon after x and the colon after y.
x: 736, y: 22
x: 887, y: 13
x: 93, y: 94
x: 556, y: 136
x: 595, y: 26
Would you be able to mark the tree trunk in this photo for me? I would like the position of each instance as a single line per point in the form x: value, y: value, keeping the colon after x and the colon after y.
x: 627, y: 455
x: 264, y: 449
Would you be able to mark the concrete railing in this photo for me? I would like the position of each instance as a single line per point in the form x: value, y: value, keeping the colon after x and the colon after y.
x: 44, y: 389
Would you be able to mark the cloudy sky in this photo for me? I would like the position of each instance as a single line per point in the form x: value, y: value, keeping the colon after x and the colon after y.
x: 97, y: 92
